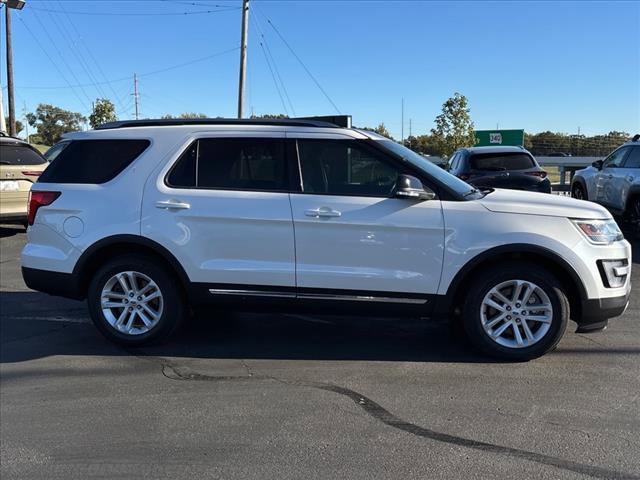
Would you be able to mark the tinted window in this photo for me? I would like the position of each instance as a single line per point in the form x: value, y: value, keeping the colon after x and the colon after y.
x: 344, y: 167
x: 183, y: 173
x: 232, y: 163
x: 452, y: 163
x: 615, y: 159
x: 431, y: 169
x: 92, y: 161
x: 54, y: 151
x: 19, y: 155
x: 633, y: 159
x: 502, y: 161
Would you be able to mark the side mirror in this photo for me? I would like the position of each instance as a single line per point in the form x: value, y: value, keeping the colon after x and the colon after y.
x: 410, y: 187
x: 597, y: 164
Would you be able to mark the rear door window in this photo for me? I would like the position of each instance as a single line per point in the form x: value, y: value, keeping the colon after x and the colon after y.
x: 93, y: 161
x: 633, y: 159
x: 232, y: 164
x: 19, y: 155
x: 501, y: 161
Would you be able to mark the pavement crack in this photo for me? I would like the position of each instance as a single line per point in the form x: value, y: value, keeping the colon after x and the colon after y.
x: 174, y: 372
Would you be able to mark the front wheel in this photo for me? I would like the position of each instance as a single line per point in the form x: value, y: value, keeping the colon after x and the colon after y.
x: 578, y: 192
x: 516, y: 312
x: 134, y: 301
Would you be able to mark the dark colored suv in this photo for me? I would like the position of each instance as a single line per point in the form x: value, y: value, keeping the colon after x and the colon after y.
x: 499, y: 167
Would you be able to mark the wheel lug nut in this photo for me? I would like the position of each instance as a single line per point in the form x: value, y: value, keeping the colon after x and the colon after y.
x: 517, y: 305
x: 508, y: 308
x: 126, y: 300
x: 138, y: 307
x: 131, y: 294
x: 131, y: 309
x: 139, y: 298
x: 524, y: 312
x: 508, y: 317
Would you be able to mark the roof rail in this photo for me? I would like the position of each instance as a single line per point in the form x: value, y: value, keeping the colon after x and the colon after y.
x: 284, y: 122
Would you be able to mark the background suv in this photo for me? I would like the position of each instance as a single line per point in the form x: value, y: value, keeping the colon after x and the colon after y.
x: 499, y: 167
x: 20, y: 165
x: 145, y: 219
x: 614, y: 182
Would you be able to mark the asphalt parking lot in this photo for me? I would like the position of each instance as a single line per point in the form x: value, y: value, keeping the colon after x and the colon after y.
x: 295, y: 396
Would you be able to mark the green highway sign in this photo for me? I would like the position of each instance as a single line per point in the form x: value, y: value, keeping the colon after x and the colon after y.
x: 485, y: 138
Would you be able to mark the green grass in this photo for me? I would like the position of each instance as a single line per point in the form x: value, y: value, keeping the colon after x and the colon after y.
x: 42, y: 148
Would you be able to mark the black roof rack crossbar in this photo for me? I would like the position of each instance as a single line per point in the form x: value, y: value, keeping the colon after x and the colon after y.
x: 284, y: 122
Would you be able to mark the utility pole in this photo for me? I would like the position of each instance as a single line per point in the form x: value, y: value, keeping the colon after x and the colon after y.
x: 243, y: 56
x: 402, y: 121
x: 136, y: 95
x: 12, y: 108
x: 3, y: 126
x: 410, y: 133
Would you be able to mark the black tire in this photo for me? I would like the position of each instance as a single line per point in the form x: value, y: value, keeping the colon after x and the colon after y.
x: 632, y: 216
x: 173, y: 311
x: 578, y: 192
x: 482, y: 284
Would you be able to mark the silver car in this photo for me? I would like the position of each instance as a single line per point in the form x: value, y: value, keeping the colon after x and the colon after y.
x: 614, y: 182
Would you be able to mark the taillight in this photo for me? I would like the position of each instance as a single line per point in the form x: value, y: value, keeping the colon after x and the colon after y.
x: 541, y: 174
x: 32, y: 173
x: 39, y: 199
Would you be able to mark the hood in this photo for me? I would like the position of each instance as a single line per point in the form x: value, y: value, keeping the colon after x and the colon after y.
x: 532, y: 203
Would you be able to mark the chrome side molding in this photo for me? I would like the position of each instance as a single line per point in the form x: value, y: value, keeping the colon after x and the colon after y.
x: 318, y: 296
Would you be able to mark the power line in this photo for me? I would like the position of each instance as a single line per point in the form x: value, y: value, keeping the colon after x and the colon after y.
x: 304, y: 66
x: 64, y: 33
x: 117, y: 97
x: 137, y: 14
x: 64, y: 61
x: 275, y: 81
x: 116, y: 80
x: 275, y: 66
x: 73, y: 89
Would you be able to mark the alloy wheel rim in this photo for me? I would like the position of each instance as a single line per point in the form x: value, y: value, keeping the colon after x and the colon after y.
x: 131, y: 302
x: 516, y: 314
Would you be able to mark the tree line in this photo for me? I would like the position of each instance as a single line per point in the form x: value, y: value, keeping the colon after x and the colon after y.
x: 453, y: 129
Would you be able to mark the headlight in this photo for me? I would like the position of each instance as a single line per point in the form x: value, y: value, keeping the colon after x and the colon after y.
x: 600, y: 232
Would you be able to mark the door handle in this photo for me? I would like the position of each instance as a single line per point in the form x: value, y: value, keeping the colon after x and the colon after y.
x: 172, y: 204
x: 324, y: 212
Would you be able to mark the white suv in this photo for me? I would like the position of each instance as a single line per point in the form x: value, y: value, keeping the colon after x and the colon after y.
x: 145, y: 219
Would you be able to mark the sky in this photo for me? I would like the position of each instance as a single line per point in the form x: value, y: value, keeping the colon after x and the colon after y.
x: 559, y: 66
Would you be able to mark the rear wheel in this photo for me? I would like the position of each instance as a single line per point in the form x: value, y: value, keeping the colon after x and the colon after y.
x: 134, y: 301
x: 578, y: 192
x: 516, y: 312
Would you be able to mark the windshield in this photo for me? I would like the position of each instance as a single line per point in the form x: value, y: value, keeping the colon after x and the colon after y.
x: 454, y: 183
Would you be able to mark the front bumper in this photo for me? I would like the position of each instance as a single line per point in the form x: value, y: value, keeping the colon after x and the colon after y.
x: 597, y: 312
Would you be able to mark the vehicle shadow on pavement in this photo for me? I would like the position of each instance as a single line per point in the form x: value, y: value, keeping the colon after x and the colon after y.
x: 45, y: 328
x: 10, y: 230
